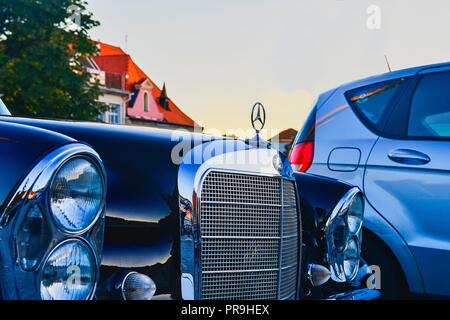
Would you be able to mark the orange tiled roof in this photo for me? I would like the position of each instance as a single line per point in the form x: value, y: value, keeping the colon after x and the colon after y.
x: 109, y: 50
x: 113, y: 59
x: 287, y: 135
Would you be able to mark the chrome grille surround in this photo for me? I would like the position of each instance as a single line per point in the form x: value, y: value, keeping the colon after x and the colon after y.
x: 249, y: 235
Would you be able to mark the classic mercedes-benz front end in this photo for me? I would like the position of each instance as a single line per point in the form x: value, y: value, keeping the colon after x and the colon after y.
x: 240, y: 227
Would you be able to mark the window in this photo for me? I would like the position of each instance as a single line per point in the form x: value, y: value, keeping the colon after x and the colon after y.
x: 430, y: 107
x: 114, y: 114
x: 371, y: 102
x: 145, y: 102
x: 101, y: 117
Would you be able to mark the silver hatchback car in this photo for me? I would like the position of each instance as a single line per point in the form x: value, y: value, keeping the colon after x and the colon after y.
x: 390, y: 135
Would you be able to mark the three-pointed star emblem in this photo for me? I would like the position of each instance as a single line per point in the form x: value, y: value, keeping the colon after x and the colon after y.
x: 258, y: 117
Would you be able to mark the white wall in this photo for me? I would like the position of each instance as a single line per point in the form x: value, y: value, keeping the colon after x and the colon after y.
x: 114, y: 99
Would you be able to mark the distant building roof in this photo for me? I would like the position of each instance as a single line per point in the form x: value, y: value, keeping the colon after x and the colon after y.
x: 109, y: 50
x: 113, y: 59
x: 287, y: 135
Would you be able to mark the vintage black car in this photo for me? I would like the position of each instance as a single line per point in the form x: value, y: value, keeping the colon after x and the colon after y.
x: 113, y: 212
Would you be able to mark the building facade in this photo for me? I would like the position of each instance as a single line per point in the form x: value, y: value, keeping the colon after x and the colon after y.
x: 133, y: 98
x: 113, y: 93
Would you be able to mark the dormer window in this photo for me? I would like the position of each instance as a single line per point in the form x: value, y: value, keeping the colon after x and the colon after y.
x: 145, y: 102
x: 163, y: 98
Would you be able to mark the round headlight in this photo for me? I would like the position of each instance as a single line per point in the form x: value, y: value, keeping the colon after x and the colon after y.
x: 69, y: 272
x: 340, y: 234
x: 355, y: 214
x: 343, y: 232
x: 76, y: 195
x: 351, y: 259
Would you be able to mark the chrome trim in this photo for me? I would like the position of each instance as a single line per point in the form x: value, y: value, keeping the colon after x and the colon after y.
x: 318, y: 275
x: 252, y: 270
x: 187, y: 286
x: 342, y: 209
x: 244, y: 203
x: 357, y: 295
x: 281, y: 231
x: 280, y: 285
x: 62, y: 243
x: 40, y: 177
x: 239, y: 271
x: 122, y: 284
x: 343, y: 204
x: 190, y: 179
x: 239, y: 237
x: 102, y: 205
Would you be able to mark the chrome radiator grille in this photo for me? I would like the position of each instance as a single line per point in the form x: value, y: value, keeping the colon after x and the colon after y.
x: 249, y: 232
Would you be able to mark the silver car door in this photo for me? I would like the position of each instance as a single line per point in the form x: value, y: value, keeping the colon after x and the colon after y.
x: 407, y: 178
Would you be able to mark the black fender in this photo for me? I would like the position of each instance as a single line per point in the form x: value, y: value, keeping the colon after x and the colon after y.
x: 21, y: 148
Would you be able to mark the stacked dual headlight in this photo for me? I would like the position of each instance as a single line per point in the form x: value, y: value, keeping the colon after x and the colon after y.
x: 59, y: 225
x: 343, y: 232
x: 76, y: 198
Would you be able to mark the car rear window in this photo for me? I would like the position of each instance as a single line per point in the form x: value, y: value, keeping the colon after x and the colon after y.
x: 307, y: 132
x: 430, y: 107
x: 371, y: 102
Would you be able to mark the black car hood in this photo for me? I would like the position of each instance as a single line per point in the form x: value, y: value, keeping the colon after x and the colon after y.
x: 21, y: 147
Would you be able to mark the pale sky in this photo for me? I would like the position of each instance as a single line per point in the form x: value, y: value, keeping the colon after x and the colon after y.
x: 219, y: 57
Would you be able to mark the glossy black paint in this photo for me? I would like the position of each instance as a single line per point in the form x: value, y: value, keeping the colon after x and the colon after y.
x: 144, y: 236
x: 26, y: 146
x: 21, y: 148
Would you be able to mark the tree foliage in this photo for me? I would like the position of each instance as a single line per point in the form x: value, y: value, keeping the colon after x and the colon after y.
x: 42, y: 45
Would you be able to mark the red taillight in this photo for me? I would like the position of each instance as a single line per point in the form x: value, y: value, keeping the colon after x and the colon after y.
x: 301, y: 156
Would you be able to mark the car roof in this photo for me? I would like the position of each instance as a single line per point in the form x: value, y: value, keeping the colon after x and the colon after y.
x: 391, y: 75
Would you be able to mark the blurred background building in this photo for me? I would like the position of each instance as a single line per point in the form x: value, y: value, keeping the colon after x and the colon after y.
x: 132, y: 97
x: 283, y: 141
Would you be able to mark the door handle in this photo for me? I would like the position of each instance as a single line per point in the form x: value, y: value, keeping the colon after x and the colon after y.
x: 408, y: 156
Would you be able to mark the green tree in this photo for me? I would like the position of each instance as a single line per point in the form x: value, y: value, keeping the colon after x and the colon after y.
x: 42, y: 46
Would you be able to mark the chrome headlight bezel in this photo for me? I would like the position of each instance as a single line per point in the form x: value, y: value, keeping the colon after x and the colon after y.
x: 91, y: 251
x: 339, y: 235
x: 101, y: 206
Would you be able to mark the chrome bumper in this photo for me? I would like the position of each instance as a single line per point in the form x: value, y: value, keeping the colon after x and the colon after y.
x: 362, y: 294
